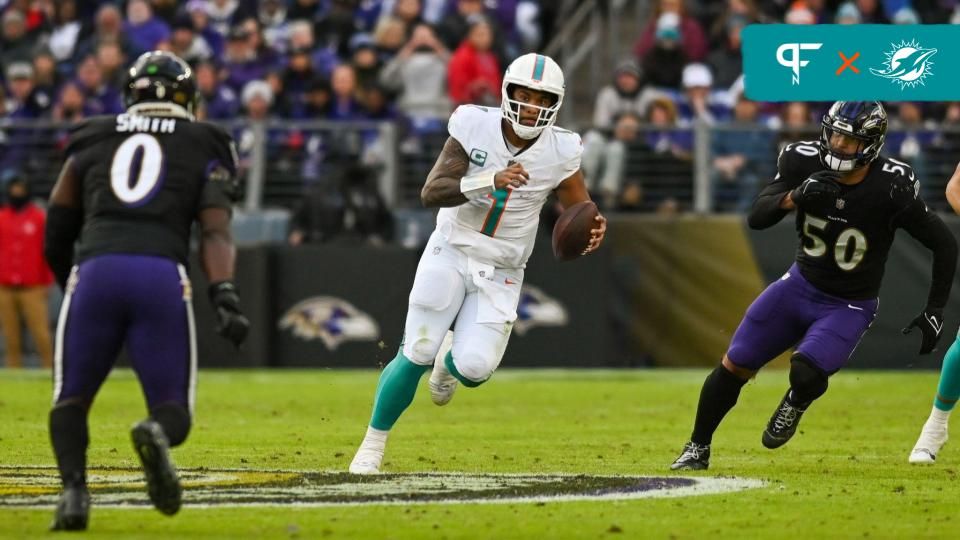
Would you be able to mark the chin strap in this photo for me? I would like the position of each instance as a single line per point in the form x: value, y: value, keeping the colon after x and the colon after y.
x: 160, y: 109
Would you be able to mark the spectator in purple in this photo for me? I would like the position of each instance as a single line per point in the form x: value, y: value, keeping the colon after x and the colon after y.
x: 665, y: 137
x: 691, y: 38
x: 143, y: 29
x: 264, y: 53
x: 100, y: 97
x: 323, y: 59
x: 197, y: 10
x: 345, y: 105
x: 698, y: 102
x: 317, y: 100
x: 240, y: 61
x: 219, y: 100
x: 108, y: 28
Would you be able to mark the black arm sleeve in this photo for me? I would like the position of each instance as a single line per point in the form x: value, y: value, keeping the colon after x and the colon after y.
x: 63, y: 228
x: 766, y: 211
x: 932, y: 232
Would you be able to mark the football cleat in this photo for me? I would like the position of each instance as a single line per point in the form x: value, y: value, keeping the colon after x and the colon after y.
x: 783, y: 424
x: 369, y: 456
x: 695, y: 457
x: 442, y: 383
x: 932, y: 438
x: 153, y: 448
x: 73, y: 510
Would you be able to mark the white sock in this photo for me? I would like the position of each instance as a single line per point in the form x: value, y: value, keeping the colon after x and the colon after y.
x: 939, y: 417
x: 375, y: 435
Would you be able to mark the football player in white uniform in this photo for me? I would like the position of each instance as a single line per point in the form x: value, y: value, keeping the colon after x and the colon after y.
x: 495, y: 172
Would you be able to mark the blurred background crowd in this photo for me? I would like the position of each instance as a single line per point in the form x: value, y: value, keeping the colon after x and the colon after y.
x: 309, y: 86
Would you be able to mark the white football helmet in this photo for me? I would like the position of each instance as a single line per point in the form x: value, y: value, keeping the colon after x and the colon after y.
x: 537, y: 72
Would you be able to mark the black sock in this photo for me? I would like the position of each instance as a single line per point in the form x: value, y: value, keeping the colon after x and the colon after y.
x: 719, y: 395
x: 69, y: 436
x: 175, y: 421
x: 807, y: 382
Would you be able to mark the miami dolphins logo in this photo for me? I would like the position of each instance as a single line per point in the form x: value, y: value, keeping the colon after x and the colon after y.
x: 907, y: 64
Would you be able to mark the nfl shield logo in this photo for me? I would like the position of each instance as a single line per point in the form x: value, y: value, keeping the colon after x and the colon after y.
x: 478, y: 157
x: 840, y: 204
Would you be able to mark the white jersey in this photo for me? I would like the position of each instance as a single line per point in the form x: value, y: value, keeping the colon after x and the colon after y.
x: 500, y: 228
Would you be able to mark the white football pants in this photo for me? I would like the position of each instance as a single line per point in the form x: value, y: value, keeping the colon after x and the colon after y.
x: 450, y: 286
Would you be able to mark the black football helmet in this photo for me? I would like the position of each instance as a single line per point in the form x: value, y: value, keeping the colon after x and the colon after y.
x: 865, y: 121
x: 161, y: 77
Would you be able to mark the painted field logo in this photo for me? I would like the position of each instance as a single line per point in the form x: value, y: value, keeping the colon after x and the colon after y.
x: 38, y: 487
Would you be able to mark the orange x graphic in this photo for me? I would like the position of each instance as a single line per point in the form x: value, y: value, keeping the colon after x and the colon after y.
x: 848, y: 63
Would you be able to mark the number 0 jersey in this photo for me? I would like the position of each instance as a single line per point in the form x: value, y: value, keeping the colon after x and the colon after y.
x: 843, y: 251
x: 144, y: 179
x: 500, y: 229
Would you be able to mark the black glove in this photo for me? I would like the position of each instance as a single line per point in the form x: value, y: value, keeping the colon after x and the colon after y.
x: 818, y: 192
x: 231, y: 323
x: 930, y: 322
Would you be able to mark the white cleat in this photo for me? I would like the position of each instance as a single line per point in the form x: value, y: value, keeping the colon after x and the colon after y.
x: 932, y: 438
x: 370, y: 454
x: 442, y: 383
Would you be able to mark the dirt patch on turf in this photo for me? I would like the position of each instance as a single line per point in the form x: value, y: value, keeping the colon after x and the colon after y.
x: 39, y: 486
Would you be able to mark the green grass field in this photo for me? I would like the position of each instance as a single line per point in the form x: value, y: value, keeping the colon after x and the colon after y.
x: 845, y: 475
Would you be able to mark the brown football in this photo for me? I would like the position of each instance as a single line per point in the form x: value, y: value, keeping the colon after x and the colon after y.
x: 571, y: 234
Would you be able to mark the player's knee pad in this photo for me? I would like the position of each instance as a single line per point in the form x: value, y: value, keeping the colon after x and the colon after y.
x: 175, y: 420
x: 471, y: 368
x: 807, y: 382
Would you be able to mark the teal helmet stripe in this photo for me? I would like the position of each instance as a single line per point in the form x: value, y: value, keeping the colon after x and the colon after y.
x: 538, y: 67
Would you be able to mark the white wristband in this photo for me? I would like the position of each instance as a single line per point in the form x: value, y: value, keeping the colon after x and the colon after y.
x: 478, y: 185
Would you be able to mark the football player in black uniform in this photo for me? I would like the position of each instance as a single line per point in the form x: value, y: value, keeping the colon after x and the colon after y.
x: 127, y: 196
x: 850, y: 201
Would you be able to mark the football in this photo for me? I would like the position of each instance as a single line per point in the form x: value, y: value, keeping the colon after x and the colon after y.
x: 571, y: 234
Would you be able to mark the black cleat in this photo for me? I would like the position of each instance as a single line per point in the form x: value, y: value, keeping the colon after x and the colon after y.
x: 152, y: 446
x: 73, y: 510
x: 783, y: 424
x: 695, y: 457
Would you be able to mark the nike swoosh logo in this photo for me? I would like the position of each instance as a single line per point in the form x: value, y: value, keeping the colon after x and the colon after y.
x: 509, y: 281
x: 851, y: 306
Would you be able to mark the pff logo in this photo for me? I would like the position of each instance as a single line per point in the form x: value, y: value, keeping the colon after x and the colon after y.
x: 907, y: 64
x: 794, y: 62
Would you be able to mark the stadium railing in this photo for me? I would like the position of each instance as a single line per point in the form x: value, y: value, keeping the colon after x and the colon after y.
x: 680, y: 166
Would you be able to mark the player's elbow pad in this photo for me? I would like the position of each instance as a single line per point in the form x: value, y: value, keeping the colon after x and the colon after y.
x: 63, y: 227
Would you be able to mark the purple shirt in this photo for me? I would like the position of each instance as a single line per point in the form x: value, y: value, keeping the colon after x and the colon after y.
x: 144, y: 37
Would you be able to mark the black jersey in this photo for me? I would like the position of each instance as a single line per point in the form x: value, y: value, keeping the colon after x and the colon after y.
x: 144, y: 180
x: 843, y: 250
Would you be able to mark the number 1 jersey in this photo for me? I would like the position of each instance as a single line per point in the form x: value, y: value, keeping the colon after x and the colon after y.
x: 843, y: 250
x: 144, y: 180
x: 500, y: 229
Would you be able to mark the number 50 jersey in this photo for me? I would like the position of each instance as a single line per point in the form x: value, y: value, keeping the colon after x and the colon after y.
x: 843, y: 250
x: 500, y: 228
x: 144, y: 179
